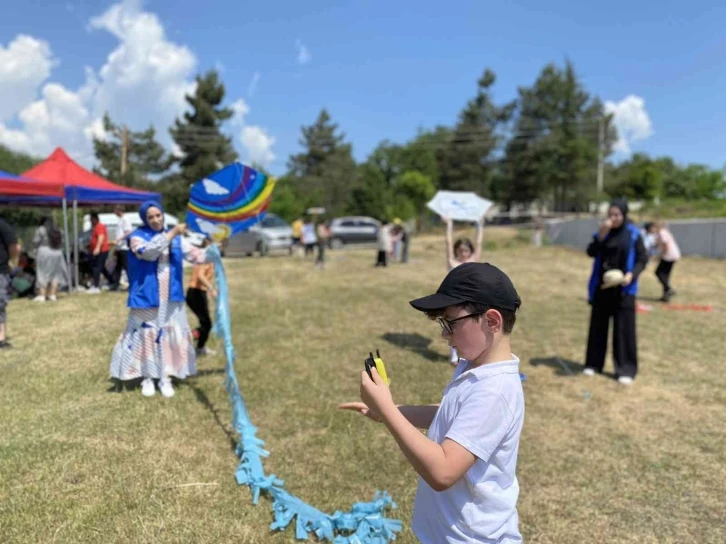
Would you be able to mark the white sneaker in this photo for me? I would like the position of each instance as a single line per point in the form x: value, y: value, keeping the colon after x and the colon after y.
x: 167, y: 390
x: 625, y: 380
x: 589, y: 372
x: 93, y: 291
x: 39, y: 299
x: 52, y: 298
x: 105, y: 288
x: 201, y: 352
x: 147, y: 387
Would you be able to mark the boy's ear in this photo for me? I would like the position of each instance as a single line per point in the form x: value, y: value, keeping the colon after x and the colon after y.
x: 493, y: 320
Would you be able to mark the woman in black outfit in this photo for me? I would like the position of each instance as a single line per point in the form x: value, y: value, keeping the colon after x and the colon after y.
x: 617, y: 245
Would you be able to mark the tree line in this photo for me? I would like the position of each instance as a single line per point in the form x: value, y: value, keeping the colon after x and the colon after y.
x: 541, y: 148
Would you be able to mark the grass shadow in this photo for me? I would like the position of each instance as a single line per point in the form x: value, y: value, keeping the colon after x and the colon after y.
x: 563, y: 367
x: 203, y: 399
x: 118, y: 386
x: 413, y: 342
x: 209, y: 372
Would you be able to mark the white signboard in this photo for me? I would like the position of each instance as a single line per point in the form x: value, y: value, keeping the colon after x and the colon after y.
x: 459, y: 205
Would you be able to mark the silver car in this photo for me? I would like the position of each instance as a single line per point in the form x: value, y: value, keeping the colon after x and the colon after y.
x: 272, y: 234
x: 353, y: 230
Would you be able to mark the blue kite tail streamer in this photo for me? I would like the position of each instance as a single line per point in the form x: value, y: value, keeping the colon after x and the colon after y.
x: 363, y: 524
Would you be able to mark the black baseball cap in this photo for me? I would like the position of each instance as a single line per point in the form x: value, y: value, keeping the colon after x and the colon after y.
x: 482, y: 283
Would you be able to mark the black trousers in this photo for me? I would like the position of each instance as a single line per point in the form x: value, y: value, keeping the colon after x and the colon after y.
x: 99, y: 267
x: 198, y: 303
x: 611, y: 303
x: 382, y: 259
x: 309, y: 249
x: 122, y: 260
x: 663, y: 273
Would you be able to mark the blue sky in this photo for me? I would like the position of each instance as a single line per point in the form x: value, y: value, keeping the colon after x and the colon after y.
x: 384, y: 69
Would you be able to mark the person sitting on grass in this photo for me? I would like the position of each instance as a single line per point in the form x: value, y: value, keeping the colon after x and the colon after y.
x: 468, y: 488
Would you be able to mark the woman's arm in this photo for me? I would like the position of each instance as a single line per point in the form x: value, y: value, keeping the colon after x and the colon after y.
x: 479, y: 239
x: 450, y: 258
x: 151, y: 250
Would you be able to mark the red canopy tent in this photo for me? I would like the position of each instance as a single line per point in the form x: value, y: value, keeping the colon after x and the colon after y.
x: 83, y: 186
x: 14, y: 186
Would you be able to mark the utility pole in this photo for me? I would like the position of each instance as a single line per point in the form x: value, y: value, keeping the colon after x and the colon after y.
x: 124, y: 150
x: 601, y: 157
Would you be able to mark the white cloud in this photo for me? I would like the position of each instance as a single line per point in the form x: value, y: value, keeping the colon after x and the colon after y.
x: 258, y: 144
x: 303, y: 53
x: 143, y: 81
x: 24, y: 65
x: 631, y: 120
x: 252, y: 88
x: 240, y: 109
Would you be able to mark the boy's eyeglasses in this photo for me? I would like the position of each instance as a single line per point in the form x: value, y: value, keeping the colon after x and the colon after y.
x: 447, y: 325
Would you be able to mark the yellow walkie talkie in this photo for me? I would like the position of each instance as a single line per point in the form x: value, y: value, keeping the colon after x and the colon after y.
x: 377, y: 362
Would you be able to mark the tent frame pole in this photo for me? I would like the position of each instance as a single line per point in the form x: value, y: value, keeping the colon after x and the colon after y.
x: 67, y: 244
x: 75, y: 242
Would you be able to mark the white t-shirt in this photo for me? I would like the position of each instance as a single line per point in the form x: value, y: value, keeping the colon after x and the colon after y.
x: 482, y: 410
x: 123, y: 229
x: 384, y: 239
x: 308, y: 234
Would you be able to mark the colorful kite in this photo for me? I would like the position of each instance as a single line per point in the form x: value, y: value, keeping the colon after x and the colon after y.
x: 229, y: 201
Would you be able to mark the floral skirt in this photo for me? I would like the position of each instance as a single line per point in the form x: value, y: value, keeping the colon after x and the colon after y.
x: 157, y: 343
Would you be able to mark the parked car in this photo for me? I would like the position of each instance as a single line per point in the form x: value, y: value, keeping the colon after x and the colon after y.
x: 272, y: 234
x: 353, y: 230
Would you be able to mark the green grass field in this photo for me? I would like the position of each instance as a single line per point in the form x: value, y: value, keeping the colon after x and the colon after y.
x: 598, y: 462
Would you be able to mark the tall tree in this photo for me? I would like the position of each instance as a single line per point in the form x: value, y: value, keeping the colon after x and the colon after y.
x: 325, y: 172
x: 145, y: 156
x: 468, y: 161
x: 553, y: 151
x: 203, y: 147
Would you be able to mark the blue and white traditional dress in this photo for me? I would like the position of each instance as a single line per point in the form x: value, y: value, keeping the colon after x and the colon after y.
x: 157, y: 342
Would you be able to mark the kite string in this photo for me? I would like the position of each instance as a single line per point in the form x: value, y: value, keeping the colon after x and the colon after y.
x: 363, y: 524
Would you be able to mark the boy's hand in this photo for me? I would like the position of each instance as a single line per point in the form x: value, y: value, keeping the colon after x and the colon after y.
x: 375, y: 393
x: 361, y: 409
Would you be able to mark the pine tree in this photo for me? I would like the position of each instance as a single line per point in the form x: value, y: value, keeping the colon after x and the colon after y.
x: 468, y: 162
x: 325, y: 172
x: 552, y: 153
x: 203, y: 147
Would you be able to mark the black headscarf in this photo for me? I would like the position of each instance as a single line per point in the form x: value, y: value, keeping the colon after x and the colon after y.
x: 617, y: 244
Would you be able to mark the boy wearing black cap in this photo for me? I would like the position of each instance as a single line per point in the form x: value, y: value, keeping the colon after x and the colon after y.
x: 468, y: 488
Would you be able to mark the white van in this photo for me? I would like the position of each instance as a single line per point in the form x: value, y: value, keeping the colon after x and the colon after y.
x: 110, y: 220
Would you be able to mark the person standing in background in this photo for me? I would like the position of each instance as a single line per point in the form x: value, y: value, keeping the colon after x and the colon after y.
x: 99, y: 250
x: 460, y: 252
x: 50, y: 265
x: 323, y: 234
x: 9, y: 251
x: 619, y: 257
x: 670, y: 253
x: 309, y: 238
x: 297, y: 230
x: 201, y: 283
x: 123, y: 229
x: 385, y: 244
